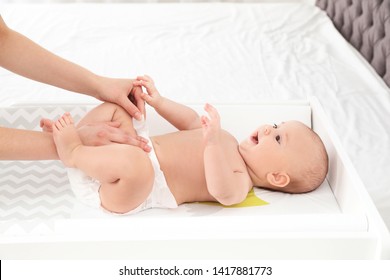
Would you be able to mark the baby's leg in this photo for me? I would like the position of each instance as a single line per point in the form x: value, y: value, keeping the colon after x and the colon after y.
x: 109, y: 112
x: 103, y: 113
x: 125, y: 172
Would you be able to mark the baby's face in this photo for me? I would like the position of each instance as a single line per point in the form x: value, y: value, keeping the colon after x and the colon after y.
x: 272, y: 148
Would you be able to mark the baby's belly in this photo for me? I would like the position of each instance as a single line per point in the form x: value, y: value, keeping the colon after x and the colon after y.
x: 181, y: 159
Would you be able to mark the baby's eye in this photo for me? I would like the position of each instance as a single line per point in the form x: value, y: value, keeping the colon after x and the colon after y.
x: 275, y: 126
x: 277, y: 138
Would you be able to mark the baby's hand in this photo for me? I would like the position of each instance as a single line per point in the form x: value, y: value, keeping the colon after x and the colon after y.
x: 211, y: 126
x: 153, y: 97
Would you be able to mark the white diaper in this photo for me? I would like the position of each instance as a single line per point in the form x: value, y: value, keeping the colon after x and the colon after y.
x: 86, y: 188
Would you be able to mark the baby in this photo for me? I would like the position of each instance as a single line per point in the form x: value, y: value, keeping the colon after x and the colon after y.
x: 199, y: 162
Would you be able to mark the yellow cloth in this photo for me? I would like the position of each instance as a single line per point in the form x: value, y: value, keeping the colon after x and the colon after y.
x: 251, y: 200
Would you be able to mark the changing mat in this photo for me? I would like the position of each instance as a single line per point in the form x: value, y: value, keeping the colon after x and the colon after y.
x: 33, y: 194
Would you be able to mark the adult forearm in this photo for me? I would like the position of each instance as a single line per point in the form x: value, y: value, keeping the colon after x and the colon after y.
x: 17, y: 144
x: 24, y: 57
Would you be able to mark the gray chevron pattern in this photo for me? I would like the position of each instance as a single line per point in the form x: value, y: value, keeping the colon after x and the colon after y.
x: 33, y: 194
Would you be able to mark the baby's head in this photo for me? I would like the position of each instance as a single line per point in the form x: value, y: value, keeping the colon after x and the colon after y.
x: 289, y: 157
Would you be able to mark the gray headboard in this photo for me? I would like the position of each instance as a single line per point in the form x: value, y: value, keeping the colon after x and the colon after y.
x: 366, y: 25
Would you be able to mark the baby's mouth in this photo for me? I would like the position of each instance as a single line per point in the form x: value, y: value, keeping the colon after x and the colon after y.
x: 255, y: 138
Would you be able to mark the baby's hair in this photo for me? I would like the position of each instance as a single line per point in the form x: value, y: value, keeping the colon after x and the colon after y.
x: 311, y: 176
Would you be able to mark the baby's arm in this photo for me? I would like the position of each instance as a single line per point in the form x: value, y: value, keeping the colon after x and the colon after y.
x: 179, y: 115
x: 226, y: 181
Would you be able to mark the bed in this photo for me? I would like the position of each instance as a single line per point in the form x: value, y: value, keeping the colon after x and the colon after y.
x: 271, y: 61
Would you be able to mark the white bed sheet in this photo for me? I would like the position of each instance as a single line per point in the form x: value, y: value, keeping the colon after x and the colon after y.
x: 219, y: 53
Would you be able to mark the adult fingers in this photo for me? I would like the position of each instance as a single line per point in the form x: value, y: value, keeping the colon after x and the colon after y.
x: 130, y: 108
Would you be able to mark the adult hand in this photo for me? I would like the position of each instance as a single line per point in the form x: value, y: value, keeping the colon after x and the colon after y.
x: 124, y: 93
x: 98, y: 134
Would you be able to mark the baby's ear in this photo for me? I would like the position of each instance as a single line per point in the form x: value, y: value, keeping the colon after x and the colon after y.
x: 278, y: 179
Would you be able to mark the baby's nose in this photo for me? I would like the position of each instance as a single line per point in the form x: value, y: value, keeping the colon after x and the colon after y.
x: 267, y: 130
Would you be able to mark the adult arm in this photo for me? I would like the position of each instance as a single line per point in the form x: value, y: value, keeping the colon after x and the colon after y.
x: 19, y: 144
x: 26, y: 58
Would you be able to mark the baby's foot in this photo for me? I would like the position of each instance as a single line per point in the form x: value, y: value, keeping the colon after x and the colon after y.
x: 46, y: 125
x: 66, y: 139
